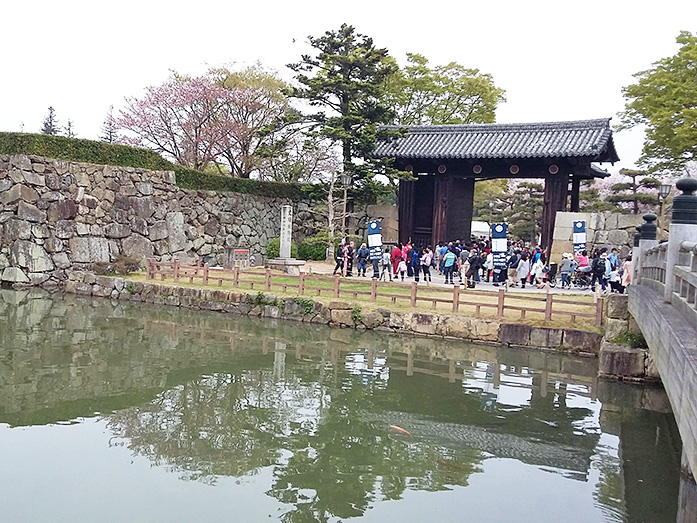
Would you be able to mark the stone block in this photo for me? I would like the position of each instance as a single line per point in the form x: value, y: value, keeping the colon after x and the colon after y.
x: 158, y: 231
x: 582, y: 341
x: 89, y: 249
x: 621, y: 361
x: 485, y: 330
x: 567, y: 219
x: 616, y: 306
x: 422, y: 323
x: 457, y: 326
x: 514, y: 334
x: 372, y: 319
x: 19, y: 193
x: 614, y: 327
x: 31, y: 213
x: 117, y: 230
x: 629, y: 221
x: 340, y: 305
x: 342, y: 317
x: 546, y: 338
x: 618, y: 237
x: 16, y: 229
x: 61, y: 260
x: 33, y: 178
x: 14, y: 275
x: 30, y: 256
x: 563, y: 233
x: 137, y: 246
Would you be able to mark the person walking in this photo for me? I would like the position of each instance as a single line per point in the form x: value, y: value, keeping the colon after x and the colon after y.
x: 524, y: 268
x: 395, y: 257
x: 362, y: 258
x: 386, y: 265
x: 539, y: 271
x: 350, y: 253
x: 566, y: 269
x: 426, y: 260
x: 340, y: 253
x: 401, y: 268
x: 512, y: 266
x: 415, y: 263
x: 449, y: 261
x: 627, y: 272
x: 600, y: 268
x: 475, y: 263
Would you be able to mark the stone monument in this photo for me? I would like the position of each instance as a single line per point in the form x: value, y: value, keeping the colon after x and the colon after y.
x: 284, y: 262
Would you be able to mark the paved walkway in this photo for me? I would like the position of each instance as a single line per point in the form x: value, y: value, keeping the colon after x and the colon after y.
x: 319, y: 267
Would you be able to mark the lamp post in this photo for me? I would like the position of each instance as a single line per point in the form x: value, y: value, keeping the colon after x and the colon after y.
x: 491, y: 212
x: 663, y: 192
x: 345, y: 182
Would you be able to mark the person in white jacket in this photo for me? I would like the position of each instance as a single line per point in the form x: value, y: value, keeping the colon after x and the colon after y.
x: 524, y: 268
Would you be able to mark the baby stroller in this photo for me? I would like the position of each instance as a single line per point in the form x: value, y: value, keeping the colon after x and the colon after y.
x: 582, y: 277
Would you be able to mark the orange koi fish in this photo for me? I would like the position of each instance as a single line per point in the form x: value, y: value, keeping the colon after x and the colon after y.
x: 400, y: 429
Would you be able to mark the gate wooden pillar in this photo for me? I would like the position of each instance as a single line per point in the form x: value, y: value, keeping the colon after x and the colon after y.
x: 556, y: 192
x: 405, y: 209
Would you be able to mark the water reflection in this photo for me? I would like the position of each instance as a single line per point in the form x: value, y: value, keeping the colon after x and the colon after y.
x: 207, y: 397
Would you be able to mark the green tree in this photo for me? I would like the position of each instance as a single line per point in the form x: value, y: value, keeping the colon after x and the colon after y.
x: 525, y: 210
x: 490, y: 199
x: 50, y: 123
x: 633, y: 191
x: 345, y: 81
x: 444, y: 94
x: 664, y: 98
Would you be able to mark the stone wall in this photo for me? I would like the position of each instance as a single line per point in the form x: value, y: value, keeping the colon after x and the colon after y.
x: 602, y: 230
x: 57, y: 215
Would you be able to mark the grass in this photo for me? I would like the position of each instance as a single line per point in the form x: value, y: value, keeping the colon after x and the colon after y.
x: 253, y: 281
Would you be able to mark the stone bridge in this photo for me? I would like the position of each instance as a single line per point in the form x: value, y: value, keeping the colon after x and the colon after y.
x: 662, y: 300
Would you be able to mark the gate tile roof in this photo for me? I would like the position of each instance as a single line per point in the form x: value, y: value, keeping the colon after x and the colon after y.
x: 591, y: 139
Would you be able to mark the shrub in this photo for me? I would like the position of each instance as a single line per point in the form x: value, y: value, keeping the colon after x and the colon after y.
x: 314, y: 248
x: 273, y: 249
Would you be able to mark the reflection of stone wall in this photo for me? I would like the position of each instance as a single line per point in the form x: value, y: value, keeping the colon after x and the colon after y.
x: 602, y: 230
x: 56, y: 215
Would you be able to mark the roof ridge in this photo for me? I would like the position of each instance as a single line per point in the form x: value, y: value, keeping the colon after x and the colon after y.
x: 486, y: 127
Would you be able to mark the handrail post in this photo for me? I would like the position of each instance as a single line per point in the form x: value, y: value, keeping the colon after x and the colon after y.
x: 374, y: 289
x: 412, y: 297
x: 301, y: 283
x: 456, y: 298
x: 267, y: 279
x: 599, y: 312
x: 205, y: 273
x: 548, y: 306
x: 337, y: 279
x: 236, y: 276
x: 499, y: 305
x: 149, y: 269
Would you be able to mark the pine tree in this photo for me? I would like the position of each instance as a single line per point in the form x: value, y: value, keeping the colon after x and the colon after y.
x: 70, y: 129
x: 346, y: 81
x: 630, y: 192
x: 525, y: 211
x: 50, y: 123
x: 109, y: 128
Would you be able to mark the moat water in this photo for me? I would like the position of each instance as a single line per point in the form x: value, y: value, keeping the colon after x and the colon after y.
x: 115, y: 412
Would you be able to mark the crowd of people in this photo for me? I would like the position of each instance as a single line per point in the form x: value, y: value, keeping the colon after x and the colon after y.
x: 473, y: 261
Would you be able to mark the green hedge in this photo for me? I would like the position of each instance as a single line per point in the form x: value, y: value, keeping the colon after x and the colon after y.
x: 273, y: 249
x: 89, y: 151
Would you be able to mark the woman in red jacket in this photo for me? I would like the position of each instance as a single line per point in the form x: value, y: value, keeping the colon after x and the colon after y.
x: 395, y: 256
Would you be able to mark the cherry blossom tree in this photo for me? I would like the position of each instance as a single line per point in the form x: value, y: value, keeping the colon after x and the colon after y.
x: 184, y: 119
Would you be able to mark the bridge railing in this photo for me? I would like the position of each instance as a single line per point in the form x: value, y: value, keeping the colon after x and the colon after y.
x: 685, y: 280
x: 653, y: 265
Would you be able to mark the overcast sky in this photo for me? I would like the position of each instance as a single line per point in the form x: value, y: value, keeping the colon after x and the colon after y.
x: 556, y: 60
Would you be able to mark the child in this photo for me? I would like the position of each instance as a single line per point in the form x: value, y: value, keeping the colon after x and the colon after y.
x: 386, y: 265
x: 401, y: 268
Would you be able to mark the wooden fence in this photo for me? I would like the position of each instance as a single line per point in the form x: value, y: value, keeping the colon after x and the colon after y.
x: 308, y: 285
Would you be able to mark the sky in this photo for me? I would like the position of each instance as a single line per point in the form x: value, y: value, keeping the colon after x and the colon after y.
x: 556, y: 60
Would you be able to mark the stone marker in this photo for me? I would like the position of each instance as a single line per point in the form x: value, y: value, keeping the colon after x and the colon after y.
x: 286, y: 230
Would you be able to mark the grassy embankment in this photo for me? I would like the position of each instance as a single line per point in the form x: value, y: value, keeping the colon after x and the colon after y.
x: 252, y: 281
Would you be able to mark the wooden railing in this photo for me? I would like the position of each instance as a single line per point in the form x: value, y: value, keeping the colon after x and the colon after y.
x: 318, y: 285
